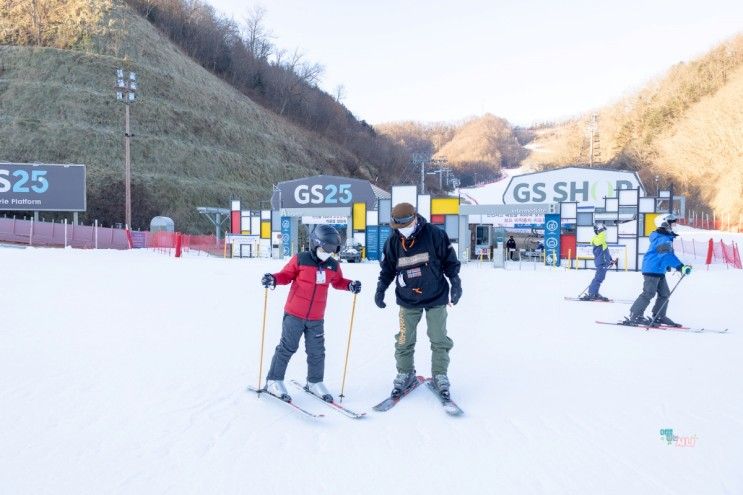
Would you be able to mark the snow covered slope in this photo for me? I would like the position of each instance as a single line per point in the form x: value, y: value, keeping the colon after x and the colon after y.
x: 491, y: 193
x: 125, y: 372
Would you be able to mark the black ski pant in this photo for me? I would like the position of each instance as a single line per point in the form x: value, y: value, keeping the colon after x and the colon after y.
x: 314, y: 344
x: 651, y: 286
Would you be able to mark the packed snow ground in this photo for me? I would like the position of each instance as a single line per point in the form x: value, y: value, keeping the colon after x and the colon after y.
x: 126, y: 372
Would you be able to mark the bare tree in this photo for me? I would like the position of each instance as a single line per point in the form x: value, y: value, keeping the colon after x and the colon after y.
x: 339, y: 93
x: 256, y: 37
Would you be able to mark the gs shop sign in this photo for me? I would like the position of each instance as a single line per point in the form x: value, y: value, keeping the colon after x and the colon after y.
x: 322, y: 191
x: 586, y: 185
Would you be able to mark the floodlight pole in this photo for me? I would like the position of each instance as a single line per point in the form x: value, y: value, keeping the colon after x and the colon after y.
x: 126, y: 89
x: 127, y: 170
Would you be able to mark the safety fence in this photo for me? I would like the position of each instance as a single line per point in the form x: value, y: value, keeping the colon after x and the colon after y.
x: 175, y: 243
x: 709, y: 252
x: 63, y: 234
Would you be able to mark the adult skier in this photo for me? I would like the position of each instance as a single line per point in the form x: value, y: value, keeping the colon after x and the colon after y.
x: 418, y: 256
x: 310, y: 273
x: 658, y: 259
x: 602, y: 260
x: 511, y: 248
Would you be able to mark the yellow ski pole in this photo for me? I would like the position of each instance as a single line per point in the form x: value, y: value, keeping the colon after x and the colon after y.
x: 348, y: 346
x: 263, y: 336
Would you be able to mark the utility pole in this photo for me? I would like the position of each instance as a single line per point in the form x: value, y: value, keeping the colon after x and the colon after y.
x: 423, y: 177
x: 126, y: 89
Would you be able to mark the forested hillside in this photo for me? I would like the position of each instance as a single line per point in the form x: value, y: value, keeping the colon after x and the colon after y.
x: 684, y: 127
x: 476, y: 149
x: 197, y: 139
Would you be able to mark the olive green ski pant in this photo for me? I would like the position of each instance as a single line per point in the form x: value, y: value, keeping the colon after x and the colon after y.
x: 440, y: 343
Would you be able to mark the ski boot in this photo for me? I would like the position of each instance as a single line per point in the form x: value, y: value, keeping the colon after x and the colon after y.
x: 664, y: 320
x: 441, y: 382
x: 402, y: 382
x: 636, y: 320
x: 587, y: 297
x: 599, y: 297
x: 277, y: 388
x: 319, y: 390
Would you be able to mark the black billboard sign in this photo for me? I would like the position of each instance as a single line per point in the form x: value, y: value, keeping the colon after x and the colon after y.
x: 42, y: 187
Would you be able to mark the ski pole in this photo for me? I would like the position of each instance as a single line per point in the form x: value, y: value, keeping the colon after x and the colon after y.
x: 660, y: 310
x: 263, y: 336
x: 348, y: 346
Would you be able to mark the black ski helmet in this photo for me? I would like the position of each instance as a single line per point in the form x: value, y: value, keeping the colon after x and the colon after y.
x: 326, y: 237
x: 598, y: 227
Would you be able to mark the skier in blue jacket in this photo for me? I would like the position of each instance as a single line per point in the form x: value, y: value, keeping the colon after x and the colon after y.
x: 659, y: 259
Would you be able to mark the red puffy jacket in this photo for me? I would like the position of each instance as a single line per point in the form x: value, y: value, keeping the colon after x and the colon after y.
x: 310, y: 279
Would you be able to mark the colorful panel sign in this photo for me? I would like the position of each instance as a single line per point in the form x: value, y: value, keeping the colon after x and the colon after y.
x: 266, y: 229
x: 359, y: 216
x: 552, y: 238
x: 445, y: 206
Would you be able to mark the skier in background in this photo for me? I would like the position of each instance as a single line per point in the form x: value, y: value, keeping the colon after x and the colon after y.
x: 511, y: 247
x: 417, y: 256
x: 658, y: 259
x: 310, y: 273
x: 603, y: 261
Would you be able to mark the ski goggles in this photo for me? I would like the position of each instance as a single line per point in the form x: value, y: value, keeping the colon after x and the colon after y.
x: 330, y: 248
x: 403, y: 220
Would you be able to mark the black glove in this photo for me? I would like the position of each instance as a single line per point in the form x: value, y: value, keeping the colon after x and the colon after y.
x: 456, y: 290
x: 268, y: 281
x: 379, y: 296
x: 354, y: 287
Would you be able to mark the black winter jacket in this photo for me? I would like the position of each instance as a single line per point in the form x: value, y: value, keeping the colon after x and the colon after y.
x: 418, y: 265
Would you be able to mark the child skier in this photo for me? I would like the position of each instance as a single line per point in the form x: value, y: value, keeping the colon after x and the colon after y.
x: 602, y: 260
x: 310, y: 273
x: 658, y: 259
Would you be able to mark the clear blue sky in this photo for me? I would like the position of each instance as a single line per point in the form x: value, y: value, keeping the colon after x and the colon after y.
x: 526, y: 61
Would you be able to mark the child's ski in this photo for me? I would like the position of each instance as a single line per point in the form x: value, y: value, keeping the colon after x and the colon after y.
x: 291, y: 404
x: 333, y: 405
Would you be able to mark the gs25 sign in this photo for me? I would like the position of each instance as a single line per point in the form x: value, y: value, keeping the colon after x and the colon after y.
x: 20, y: 181
x: 319, y: 194
x: 42, y: 187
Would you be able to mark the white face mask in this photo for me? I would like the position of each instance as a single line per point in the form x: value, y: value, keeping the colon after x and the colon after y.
x: 407, y: 231
x: 322, y: 254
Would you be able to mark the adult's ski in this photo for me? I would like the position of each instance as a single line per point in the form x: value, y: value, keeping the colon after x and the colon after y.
x: 390, y: 402
x: 450, y: 406
x: 332, y: 405
x: 290, y: 404
x: 620, y: 301
x: 666, y: 327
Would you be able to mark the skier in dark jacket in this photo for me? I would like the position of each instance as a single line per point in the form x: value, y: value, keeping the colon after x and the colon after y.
x: 419, y: 257
x: 310, y: 273
x: 511, y: 248
x: 658, y: 259
x: 602, y: 259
